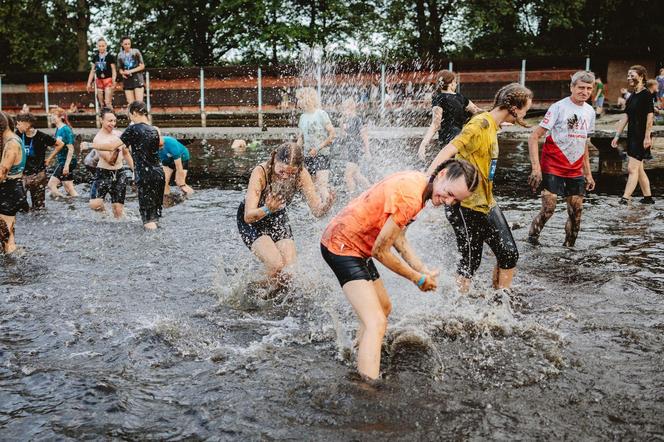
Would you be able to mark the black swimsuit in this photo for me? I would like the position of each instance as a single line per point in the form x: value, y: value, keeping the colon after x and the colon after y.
x: 275, y: 225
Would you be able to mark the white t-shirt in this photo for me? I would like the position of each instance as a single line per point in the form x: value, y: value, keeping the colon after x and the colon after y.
x: 313, y: 130
x: 568, y: 126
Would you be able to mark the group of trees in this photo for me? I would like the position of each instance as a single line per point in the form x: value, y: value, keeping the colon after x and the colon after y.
x: 42, y: 35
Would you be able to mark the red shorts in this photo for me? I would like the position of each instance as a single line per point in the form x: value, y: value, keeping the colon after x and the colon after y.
x: 103, y: 83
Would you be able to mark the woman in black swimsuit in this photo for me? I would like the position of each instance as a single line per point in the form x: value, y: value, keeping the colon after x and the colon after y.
x: 262, y: 219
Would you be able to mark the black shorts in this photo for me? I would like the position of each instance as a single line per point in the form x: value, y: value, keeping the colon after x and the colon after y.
x: 134, y: 81
x: 636, y: 150
x: 316, y: 163
x: 57, y: 172
x: 275, y: 225
x: 150, y: 190
x: 564, y: 186
x: 350, y: 268
x: 109, y: 181
x: 12, y: 197
x: 473, y: 229
x: 170, y: 163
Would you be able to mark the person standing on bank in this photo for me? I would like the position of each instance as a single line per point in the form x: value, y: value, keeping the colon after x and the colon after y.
x: 598, y: 98
x: 35, y: 143
x: 639, y: 115
x: 316, y: 137
x: 131, y: 67
x: 565, y: 166
x: 478, y: 219
x: 65, y: 155
x: 369, y: 227
x: 448, y: 111
x: 103, y: 73
x: 143, y: 140
x: 12, y: 194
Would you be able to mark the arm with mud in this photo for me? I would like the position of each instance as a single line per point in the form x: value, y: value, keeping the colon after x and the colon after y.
x: 382, y: 251
x: 318, y: 207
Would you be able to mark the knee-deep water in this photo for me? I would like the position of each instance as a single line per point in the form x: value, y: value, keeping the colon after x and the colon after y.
x: 109, y: 332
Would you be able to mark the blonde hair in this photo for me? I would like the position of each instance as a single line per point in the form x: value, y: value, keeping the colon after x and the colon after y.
x: 349, y: 103
x: 308, y: 96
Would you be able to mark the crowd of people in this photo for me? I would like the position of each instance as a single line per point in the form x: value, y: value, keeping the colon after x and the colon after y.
x: 459, y: 175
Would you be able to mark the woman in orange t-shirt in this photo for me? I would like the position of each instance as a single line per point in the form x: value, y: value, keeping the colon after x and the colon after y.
x: 369, y: 227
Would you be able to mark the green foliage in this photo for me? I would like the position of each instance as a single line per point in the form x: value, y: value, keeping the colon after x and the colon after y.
x: 56, y: 34
x: 35, y: 36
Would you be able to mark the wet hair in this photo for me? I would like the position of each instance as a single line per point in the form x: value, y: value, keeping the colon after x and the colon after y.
x: 138, y: 107
x: 640, y: 71
x: 289, y: 154
x: 584, y: 76
x: 104, y: 111
x: 26, y: 118
x: 457, y: 168
x: 308, y: 94
x: 511, y: 96
x: 445, y: 78
x: 61, y: 114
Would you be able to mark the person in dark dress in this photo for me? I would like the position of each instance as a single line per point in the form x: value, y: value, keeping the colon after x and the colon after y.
x: 143, y: 140
x: 639, y: 115
x: 449, y: 113
x: 35, y: 144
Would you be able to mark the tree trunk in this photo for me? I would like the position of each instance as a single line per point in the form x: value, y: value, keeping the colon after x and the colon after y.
x: 423, y: 32
x: 312, y: 23
x: 436, y: 40
x: 81, y: 25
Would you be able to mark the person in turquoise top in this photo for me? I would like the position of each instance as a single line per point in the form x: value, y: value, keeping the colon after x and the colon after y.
x: 65, y: 155
x: 12, y: 193
x: 174, y: 157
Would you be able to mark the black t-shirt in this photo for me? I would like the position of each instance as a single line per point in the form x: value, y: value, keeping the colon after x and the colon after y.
x: 103, y: 65
x: 144, y: 142
x: 637, y: 108
x: 454, y: 115
x: 35, y: 148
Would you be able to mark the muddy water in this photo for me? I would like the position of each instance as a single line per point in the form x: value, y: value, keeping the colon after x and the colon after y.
x: 107, y: 332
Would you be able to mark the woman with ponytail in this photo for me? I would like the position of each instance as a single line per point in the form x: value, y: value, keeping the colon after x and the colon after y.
x: 65, y: 155
x: 478, y: 219
x: 369, y: 227
x: 448, y: 113
x: 262, y: 218
x: 12, y: 193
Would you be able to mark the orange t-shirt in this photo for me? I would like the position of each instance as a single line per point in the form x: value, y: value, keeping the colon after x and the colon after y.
x: 353, y: 231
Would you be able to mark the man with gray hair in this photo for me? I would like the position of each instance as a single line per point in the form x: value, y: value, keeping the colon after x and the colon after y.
x: 564, y: 169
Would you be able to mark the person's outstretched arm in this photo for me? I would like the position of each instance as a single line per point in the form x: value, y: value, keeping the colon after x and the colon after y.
x: 318, y: 207
x: 445, y: 154
x: 111, y: 145
x: 436, y: 118
x: 535, y: 177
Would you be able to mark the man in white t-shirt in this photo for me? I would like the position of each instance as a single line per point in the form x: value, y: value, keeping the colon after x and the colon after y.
x: 565, y: 166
